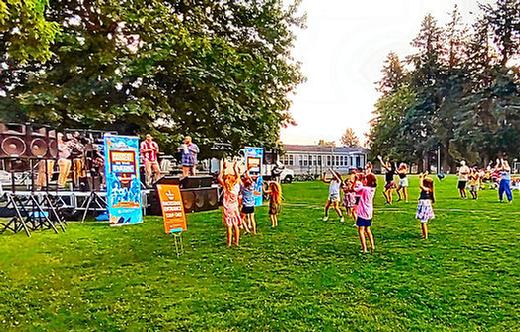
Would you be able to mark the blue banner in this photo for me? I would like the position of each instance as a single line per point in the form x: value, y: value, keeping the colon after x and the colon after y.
x: 254, y: 159
x: 124, y: 201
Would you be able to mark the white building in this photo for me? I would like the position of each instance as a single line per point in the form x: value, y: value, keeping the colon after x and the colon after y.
x: 315, y: 159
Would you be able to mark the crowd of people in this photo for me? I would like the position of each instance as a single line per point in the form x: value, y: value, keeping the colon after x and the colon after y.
x: 355, y: 195
x: 238, y: 203
x: 358, y: 194
x: 496, y: 176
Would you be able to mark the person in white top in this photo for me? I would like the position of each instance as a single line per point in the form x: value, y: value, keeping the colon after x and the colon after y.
x: 334, y: 194
x: 463, y: 179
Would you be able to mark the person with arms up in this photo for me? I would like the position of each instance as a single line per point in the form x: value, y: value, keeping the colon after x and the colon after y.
x: 425, y: 205
x: 149, y: 151
x: 366, y: 190
x: 505, y: 180
x: 334, y: 194
x: 189, y: 152
x: 389, y: 167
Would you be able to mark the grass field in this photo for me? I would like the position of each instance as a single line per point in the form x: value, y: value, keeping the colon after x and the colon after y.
x: 304, y: 275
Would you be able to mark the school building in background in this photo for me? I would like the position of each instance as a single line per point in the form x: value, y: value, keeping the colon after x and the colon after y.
x: 316, y: 159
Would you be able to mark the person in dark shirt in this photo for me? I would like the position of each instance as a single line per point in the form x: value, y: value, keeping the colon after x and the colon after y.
x: 424, y: 207
x: 390, y: 171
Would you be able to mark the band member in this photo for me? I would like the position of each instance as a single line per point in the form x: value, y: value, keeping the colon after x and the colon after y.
x: 45, y: 167
x: 76, y: 151
x: 64, y: 163
x: 149, y: 150
x: 189, y: 152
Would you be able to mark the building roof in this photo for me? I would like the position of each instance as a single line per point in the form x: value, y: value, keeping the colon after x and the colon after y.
x: 319, y: 148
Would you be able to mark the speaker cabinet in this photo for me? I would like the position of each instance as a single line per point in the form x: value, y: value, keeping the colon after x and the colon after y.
x: 198, y: 181
x: 200, y: 199
x: 174, y: 180
x: 53, y: 144
x: 36, y: 140
x: 12, y: 140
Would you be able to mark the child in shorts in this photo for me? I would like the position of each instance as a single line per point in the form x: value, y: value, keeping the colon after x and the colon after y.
x: 247, y: 191
x: 474, y: 182
x: 365, y: 210
x: 334, y: 194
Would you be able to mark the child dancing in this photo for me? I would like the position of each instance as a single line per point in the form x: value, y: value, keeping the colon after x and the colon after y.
x: 247, y: 191
x: 274, y: 191
x: 334, y: 188
x: 349, y: 197
x: 389, y: 167
x: 365, y: 210
x: 426, y: 199
x: 474, y: 182
x: 230, y: 214
x: 402, y: 172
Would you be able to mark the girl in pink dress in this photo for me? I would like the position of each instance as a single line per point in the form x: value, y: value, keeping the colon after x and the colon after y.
x: 230, y: 212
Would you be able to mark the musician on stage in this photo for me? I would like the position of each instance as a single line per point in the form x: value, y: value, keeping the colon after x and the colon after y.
x: 64, y: 163
x: 189, y: 152
x: 149, y: 151
x: 77, y: 155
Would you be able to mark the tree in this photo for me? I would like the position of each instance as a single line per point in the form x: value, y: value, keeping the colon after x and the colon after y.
x: 394, y: 75
x: 25, y: 34
x: 329, y: 144
x: 350, y: 138
x: 218, y: 71
x: 462, y: 92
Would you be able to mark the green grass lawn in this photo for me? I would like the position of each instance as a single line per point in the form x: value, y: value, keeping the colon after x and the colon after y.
x: 304, y: 275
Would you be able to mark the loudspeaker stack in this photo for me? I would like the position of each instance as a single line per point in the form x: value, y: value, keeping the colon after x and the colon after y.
x: 197, y: 193
x: 27, y: 141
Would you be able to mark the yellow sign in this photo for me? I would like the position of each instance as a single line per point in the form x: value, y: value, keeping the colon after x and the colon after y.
x: 172, y: 207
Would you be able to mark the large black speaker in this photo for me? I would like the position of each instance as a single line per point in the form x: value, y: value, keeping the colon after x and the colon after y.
x: 173, y: 180
x: 12, y: 140
x: 194, y: 200
x: 199, y: 181
x: 200, y: 199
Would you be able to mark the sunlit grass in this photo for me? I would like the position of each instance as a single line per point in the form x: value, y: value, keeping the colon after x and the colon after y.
x: 304, y: 275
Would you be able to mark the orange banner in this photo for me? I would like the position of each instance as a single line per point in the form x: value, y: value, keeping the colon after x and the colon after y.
x: 171, y: 206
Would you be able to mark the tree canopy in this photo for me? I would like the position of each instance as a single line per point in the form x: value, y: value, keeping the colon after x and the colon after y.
x: 458, y: 92
x: 350, y: 138
x: 220, y: 71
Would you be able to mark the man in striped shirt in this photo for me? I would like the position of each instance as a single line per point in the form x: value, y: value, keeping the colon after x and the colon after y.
x: 149, y: 150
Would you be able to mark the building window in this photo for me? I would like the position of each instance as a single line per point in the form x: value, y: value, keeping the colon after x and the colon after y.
x: 337, y: 160
x: 304, y: 160
x: 328, y: 160
x: 319, y: 160
x: 351, y: 161
x: 358, y: 161
x: 300, y: 161
x: 342, y: 160
x: 291, y: 160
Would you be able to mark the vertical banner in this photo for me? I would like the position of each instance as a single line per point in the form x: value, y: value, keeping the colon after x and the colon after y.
x: 253, y: 161
x: 124, y: 201
x: 172, y: 207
